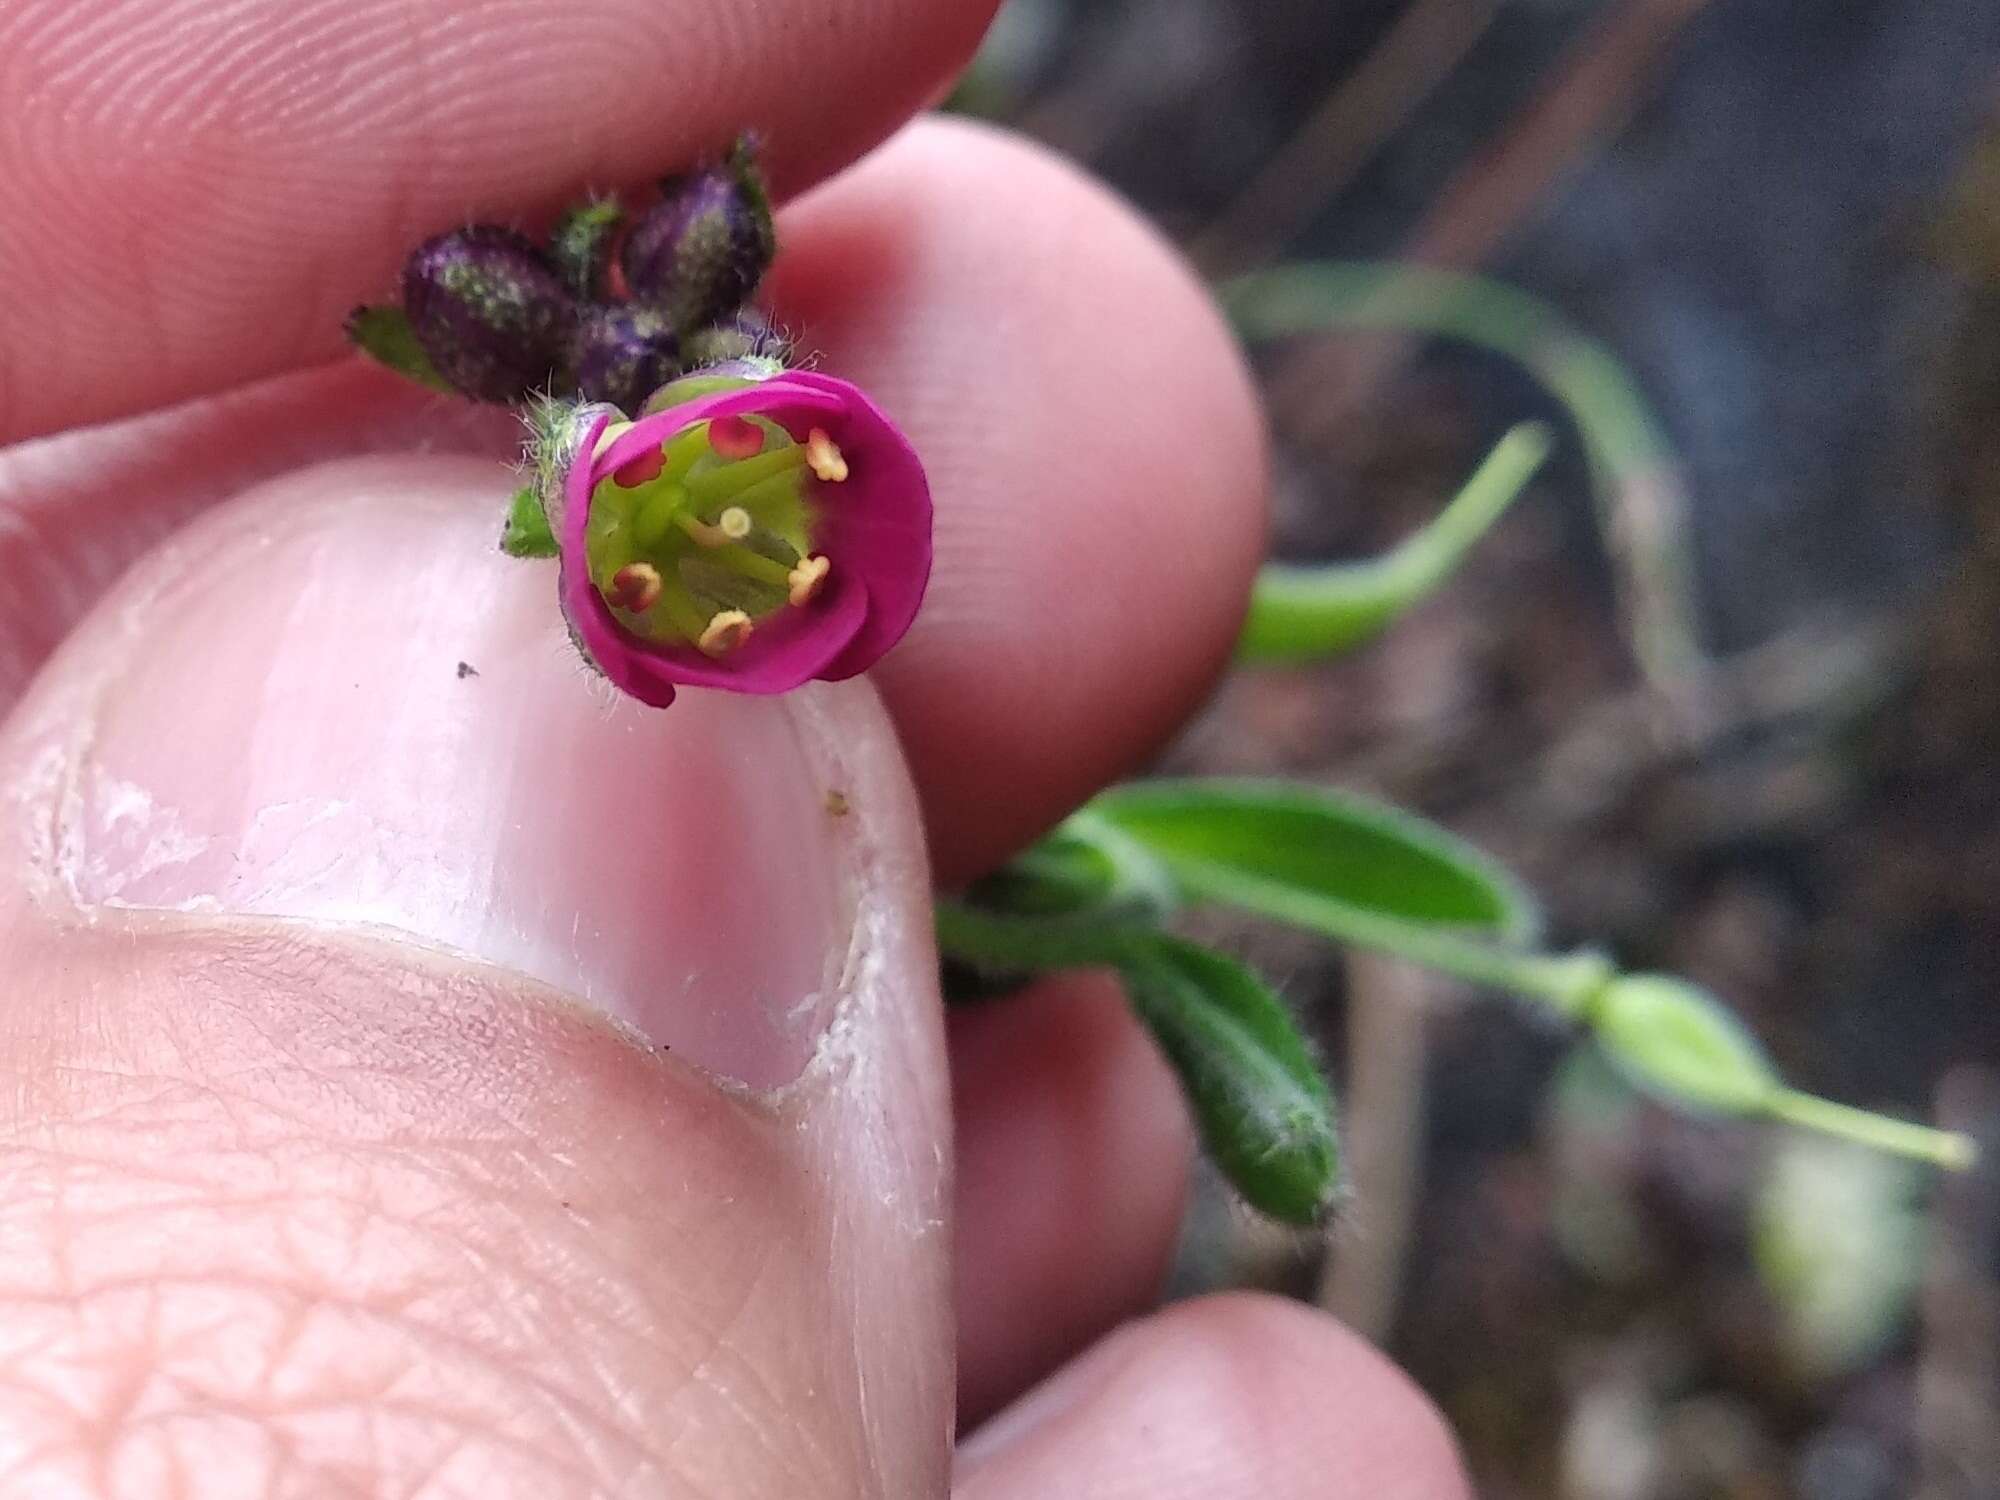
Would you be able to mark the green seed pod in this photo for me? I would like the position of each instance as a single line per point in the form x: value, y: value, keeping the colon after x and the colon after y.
x: 1675, y: 1039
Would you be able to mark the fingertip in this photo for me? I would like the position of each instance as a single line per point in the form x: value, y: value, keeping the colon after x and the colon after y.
x: 1232, y: 1397
x: 1073, y: 1155
x: 217, y: 185
x: 1096, y: 450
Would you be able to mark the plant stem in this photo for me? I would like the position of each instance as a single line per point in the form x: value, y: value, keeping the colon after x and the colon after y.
x: 1568, y: 982
x: 1944, y: 1148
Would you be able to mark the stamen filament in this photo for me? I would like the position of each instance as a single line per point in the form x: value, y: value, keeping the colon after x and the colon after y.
x: 704, y: 534
x: 733, y: 525
x: 730, y: 480
x: 658, y: 515
x: 741, y: 560
x: 777, y: 487
x: 679, y: 607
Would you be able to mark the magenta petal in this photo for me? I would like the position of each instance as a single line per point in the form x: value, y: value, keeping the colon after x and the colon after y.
x: 877, y: 523
x: 875, y: 529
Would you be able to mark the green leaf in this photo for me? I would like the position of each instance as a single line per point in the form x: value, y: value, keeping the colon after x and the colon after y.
x: 1325, y: 860
x: 385, y: 336
x: 1641, y: 503
x: 527, y: 532
x: 1264, y: 1113
x: 1302, y: 613
x: 1674, y: 1039
x: 1086, y: 869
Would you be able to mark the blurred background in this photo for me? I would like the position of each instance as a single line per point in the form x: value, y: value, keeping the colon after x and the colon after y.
x: 1735, y: 714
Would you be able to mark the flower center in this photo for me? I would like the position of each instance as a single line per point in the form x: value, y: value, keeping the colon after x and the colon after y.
x: 696, y: 542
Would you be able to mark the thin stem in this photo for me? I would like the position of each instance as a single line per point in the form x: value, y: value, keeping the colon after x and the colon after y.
x: 1944, y: 1148
x: 1569, y: 982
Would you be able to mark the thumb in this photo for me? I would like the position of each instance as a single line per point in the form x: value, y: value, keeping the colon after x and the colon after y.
x: 429, y: 1075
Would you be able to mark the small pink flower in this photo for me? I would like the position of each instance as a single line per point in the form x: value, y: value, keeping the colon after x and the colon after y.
x: 752, y: 538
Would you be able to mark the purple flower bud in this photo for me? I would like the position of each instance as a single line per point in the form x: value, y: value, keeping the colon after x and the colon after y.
x: 699, y: 253
x: 751, y: 538
x: 623, y: 354
x: 490, y: 311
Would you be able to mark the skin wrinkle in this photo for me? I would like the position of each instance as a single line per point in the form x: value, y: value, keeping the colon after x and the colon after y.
x: 434, y: 1342
x: 235, y: 1123
x: 529, y: 1286
x: 324, y: 1058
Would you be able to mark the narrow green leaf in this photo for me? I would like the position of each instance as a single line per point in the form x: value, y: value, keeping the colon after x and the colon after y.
x: 384, y: 335
x: 1087, y: 865
x: 1317, y: 858
x: 1301, y: 613
x: 527, y: 532
x: 1055, y: 877
x: 1674, y: 1039
x: 1641, y: 501
x: 1264, y: 1113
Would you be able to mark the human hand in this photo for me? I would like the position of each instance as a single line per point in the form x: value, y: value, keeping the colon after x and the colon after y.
x: 322, y: 1173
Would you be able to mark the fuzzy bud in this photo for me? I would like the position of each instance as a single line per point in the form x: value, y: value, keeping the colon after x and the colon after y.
x: 490, y: 311
x: 699, y: 253
x: 623, y: 354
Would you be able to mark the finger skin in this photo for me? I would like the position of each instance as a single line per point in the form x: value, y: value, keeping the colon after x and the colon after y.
x: 198, y: 192
x: 1236, y: 1397
x: 301, y: 1201
x: 1092, y: 439
x: 1104, y: 514
x: 1073, y: 1154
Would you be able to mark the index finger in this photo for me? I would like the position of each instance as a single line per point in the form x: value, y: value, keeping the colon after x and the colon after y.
x: 197, y: 192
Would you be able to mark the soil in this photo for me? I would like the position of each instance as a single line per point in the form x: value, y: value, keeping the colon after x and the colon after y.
x: 1784, y: 217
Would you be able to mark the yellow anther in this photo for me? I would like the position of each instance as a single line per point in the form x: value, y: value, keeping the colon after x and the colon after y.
x: 636, y: 587
x: 805, y: 579
x: 824, y: 458
x: 734, y: 523
x: 726, y: 631
x: 613, y: 431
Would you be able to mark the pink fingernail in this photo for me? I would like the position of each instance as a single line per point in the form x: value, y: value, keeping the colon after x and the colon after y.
x: 350, y: 708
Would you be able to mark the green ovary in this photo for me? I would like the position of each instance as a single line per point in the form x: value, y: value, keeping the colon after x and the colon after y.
x: 722, y: 535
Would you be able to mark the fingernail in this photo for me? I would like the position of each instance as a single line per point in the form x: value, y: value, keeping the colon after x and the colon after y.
x: 340, y: 704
